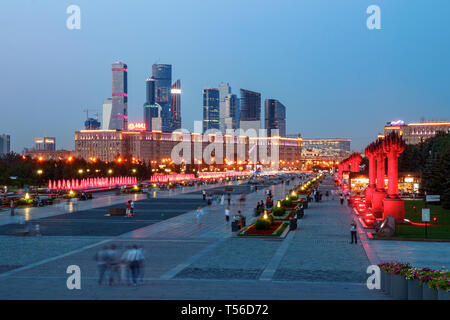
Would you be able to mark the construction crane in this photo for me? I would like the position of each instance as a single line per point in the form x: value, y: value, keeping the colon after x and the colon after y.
x: 87, y: 113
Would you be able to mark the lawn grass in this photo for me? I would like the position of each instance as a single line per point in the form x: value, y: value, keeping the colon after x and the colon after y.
x: 439, y: 230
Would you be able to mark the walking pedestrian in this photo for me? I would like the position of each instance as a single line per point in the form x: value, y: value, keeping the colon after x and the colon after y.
x: 353, y: 232
x: 204, y: 195
x: 12, y: 205
x: 341, y: 199
x: 134, y: 256
x: 229, y: 198
x: 132, y: 207
x: 227, y: 214
x: 222, y: 199
x: 100, y: 257
x: 141, y: 264
x: 128, y: 210
x: 125, y: 274
x: 113, y: 264
x: 199, y: 215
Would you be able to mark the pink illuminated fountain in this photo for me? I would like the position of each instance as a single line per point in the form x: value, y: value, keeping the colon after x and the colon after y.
x: 393, y: 145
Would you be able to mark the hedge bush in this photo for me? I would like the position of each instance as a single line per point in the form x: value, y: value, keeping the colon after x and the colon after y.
x: 278, y: 212
x: 286, y: 203
x: 263, y: 224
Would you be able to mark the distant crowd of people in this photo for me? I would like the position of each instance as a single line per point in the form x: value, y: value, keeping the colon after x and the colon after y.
x: 123, y: 267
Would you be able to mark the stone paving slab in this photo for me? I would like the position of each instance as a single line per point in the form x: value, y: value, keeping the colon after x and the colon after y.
x: 19, y: 288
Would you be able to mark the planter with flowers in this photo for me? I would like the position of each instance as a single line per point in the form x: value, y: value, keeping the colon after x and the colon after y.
x: 264, y: 227
x: 399, y: 284
x: 441, y: 283
x: 414, y: 288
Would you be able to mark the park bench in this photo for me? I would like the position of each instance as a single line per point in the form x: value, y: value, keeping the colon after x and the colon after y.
x: 117, y: 211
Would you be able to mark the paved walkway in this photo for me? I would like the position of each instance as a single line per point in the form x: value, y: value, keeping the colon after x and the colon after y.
x: 190, y: 261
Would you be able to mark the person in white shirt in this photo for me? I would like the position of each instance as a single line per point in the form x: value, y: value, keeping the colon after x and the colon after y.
x: 134, y: 256
x: 227, y: 214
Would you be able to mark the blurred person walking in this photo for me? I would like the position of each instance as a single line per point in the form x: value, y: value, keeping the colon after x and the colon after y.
x: 134, y: 257
x: 113, y: 264
x: 101, y: 258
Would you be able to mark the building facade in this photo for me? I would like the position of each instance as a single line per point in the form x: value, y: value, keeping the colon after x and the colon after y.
x: 250, y: 110
x: 176, y: 105
x: 5, y: 144
x: 414, y: 133
x: 119, y: 107
x: 156, y: 146
x: 224, y: 91
x: 325, y: 149
x: 162, y: 75
x: 211, y: 109
x: 231, y: 113
x: 106, y: 114
x: 275, y: 117
x: 45, y: 143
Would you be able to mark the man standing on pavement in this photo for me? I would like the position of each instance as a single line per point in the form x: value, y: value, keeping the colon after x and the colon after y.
x: 353, y: 232
x: 12, y: 207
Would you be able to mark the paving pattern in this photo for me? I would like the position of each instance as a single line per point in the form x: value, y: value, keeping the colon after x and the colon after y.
x: 188, y: 260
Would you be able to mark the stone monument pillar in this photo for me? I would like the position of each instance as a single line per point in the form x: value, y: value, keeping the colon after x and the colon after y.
x: 393, y: 146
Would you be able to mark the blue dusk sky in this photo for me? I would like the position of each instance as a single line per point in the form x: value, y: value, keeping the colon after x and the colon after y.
x: 336, y: 77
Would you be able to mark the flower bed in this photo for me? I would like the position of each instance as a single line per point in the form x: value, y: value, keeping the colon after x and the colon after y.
x: 435, y: 280
x: 275, y: 230
x: 286, y: 216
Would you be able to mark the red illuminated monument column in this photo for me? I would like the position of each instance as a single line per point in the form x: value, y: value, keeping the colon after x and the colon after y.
x: 393, y: 146
x: 380, y: 192
x: 370, y: 154
x: 355, y: 161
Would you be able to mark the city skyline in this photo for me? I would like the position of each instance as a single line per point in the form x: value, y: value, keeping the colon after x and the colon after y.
x: 324, y: 64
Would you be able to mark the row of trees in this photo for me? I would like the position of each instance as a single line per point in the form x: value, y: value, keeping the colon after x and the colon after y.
x: 431, y: 159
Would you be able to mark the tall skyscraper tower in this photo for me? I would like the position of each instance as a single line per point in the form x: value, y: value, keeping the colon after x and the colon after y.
x: 162, y: 74
x: 149, y: 104
x: 250, y: 110
x: 106, y: 114
x: 275, y: 117
x: 119, y: 110
x: 211, y: 107
x: 231, y: 113
x: 5, y: 144
x: 224, y: 90
x: 176, y: 105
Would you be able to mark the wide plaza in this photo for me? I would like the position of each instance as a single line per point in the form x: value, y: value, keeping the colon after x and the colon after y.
x: 187, y: 260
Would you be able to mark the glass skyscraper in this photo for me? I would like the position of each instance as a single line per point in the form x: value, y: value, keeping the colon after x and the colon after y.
x: 211, y: 109
x: 176, y: 105
x: 250, y: 105
x: 119, y: 110
x: 149, y: 112
x: 275, y: 117
x: 162, y: 74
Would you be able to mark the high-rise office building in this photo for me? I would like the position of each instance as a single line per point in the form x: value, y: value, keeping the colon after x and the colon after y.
x: 176, y: 105
x: 231, y: 113
x: 224, y: 90
x: 275, y: 117
x: 45, y: 143
x: 106, y: 114
x: 162, y: 74
x: 5, y: 144
x: 250, y: 110
x: 119, y: 109
x: 152, y: 117
x: 150, y: 106
x: 211, y: 110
